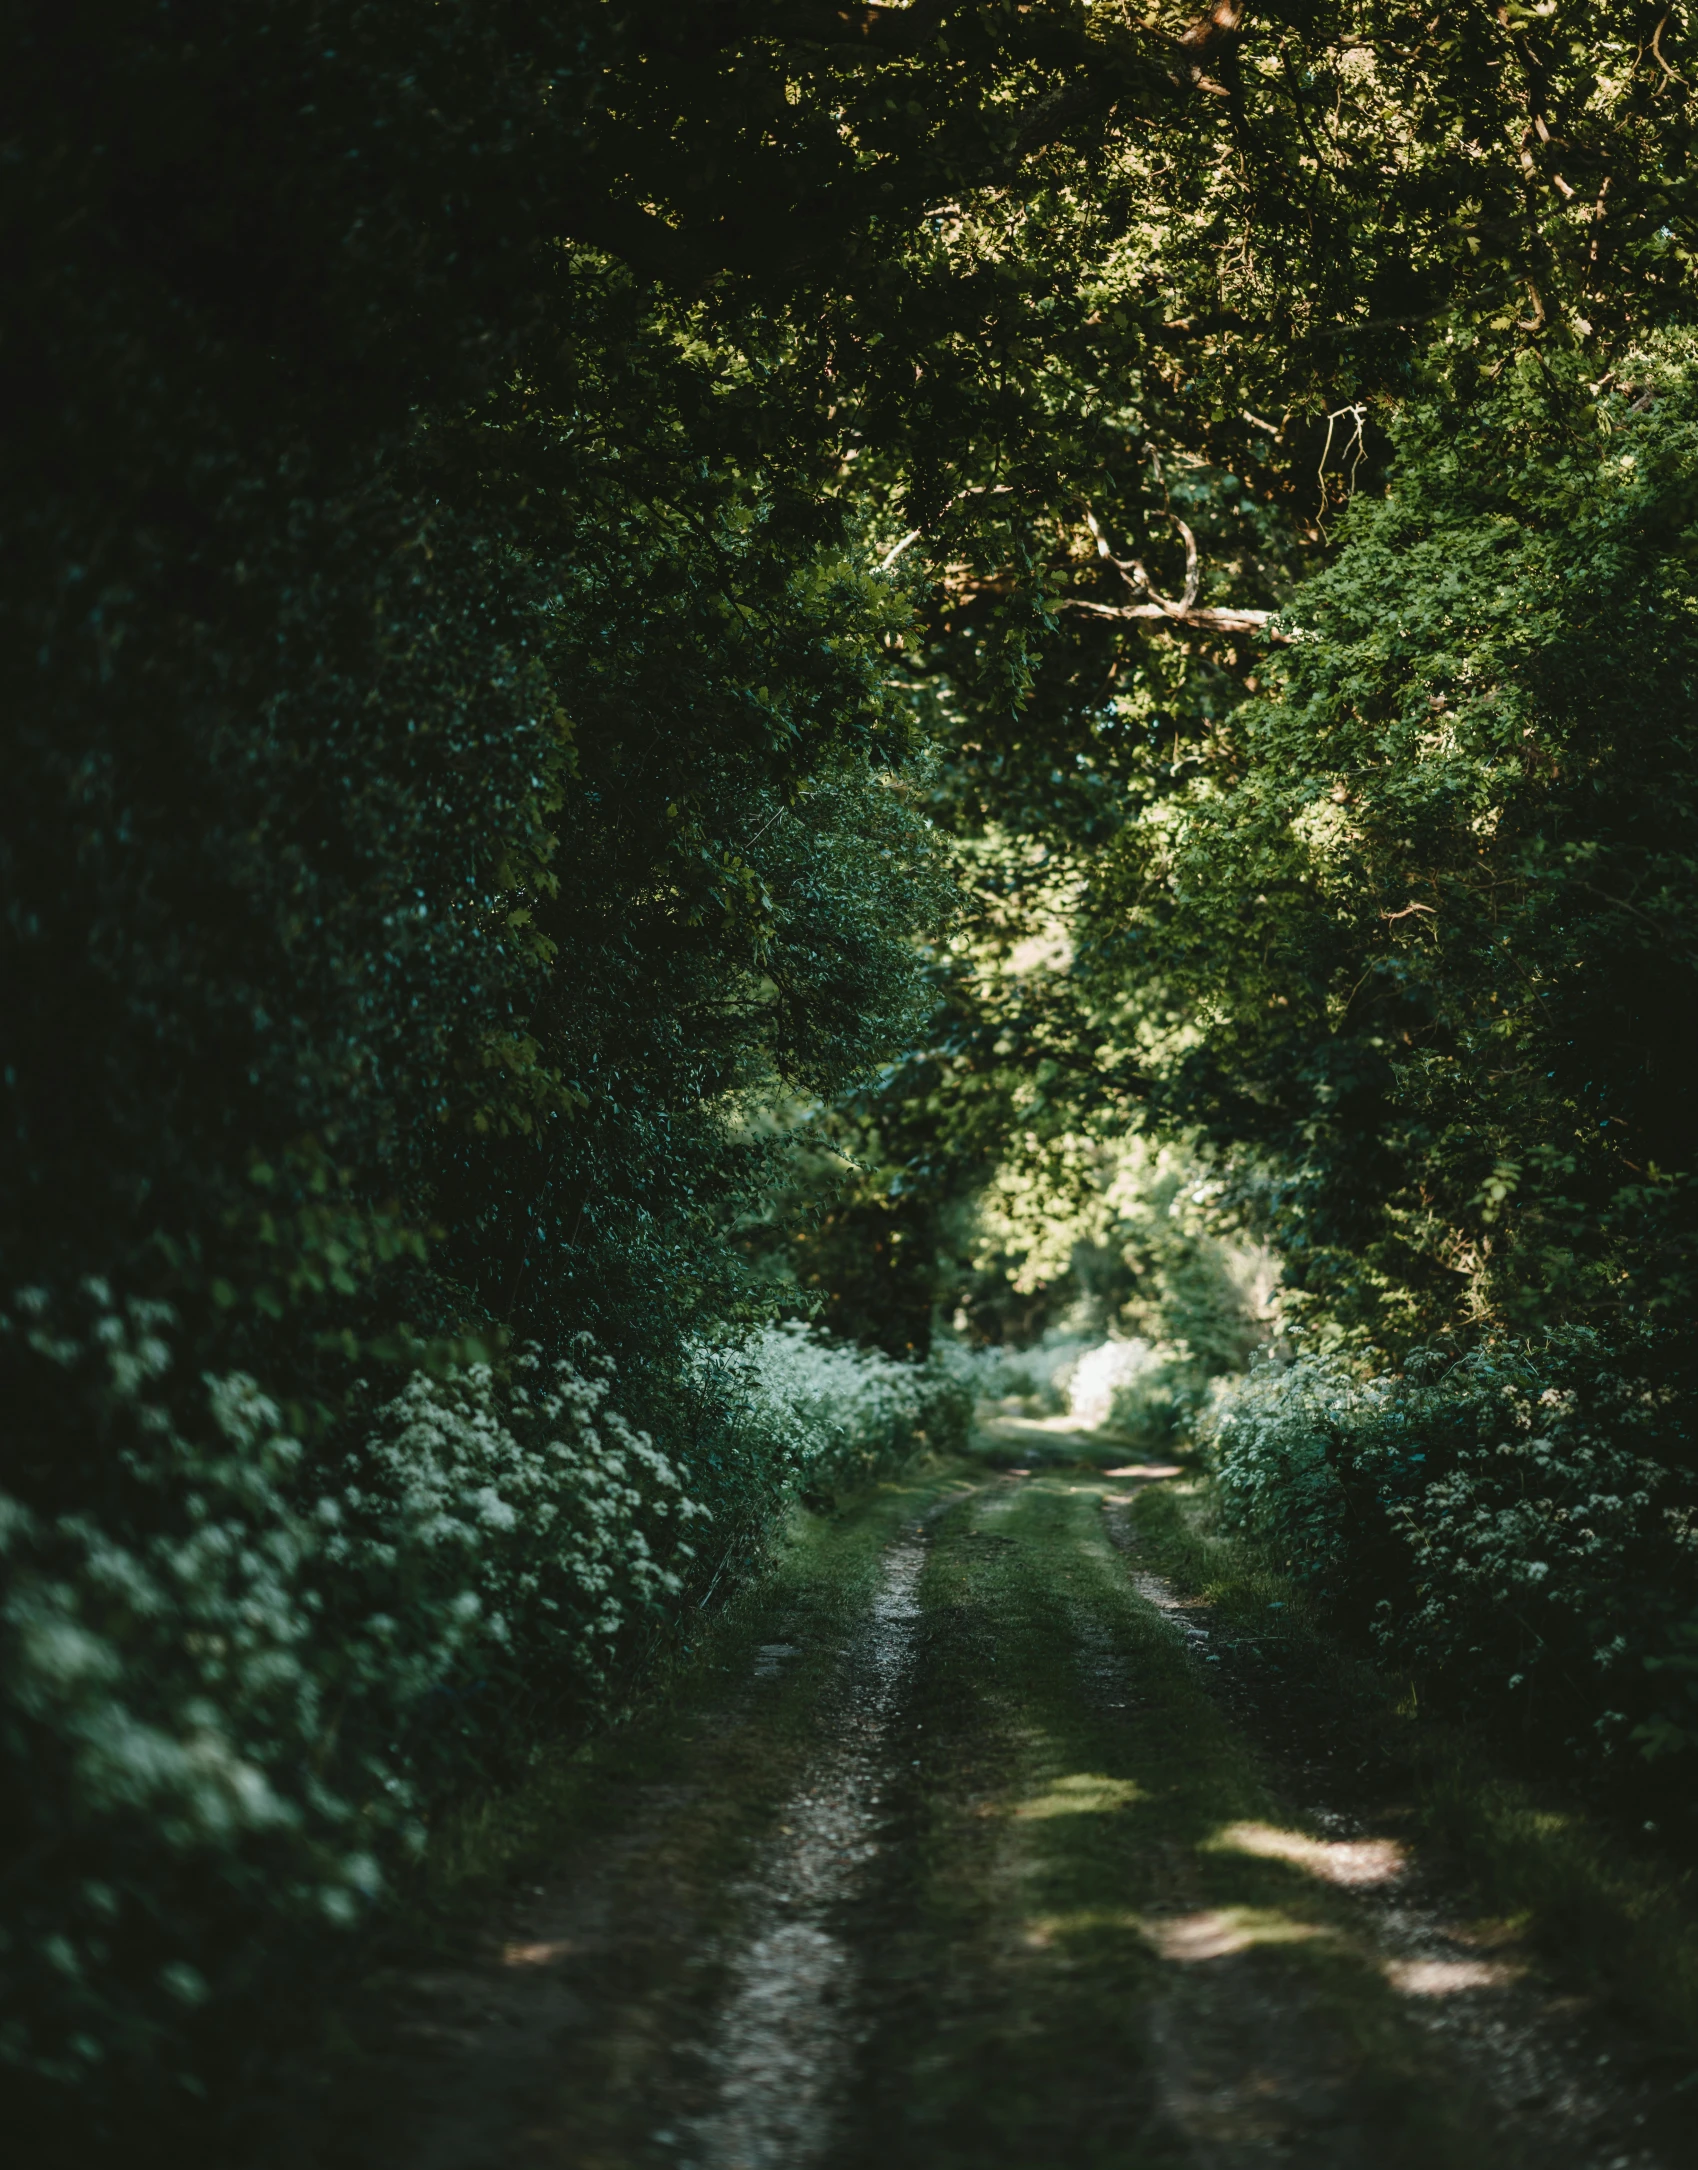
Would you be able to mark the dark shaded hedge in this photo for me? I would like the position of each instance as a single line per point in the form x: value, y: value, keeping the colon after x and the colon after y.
x: 448, y: 782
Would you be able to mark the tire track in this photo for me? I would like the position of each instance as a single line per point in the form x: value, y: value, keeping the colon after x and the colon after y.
x: 783, y: 2049
x: 1545, y: 2063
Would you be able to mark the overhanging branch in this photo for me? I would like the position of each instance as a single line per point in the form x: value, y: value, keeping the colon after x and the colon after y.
x: 1205, y: 617
x: 1209, y: 618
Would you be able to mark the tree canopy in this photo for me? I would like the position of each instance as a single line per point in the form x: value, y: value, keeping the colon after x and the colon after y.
x: 645, y: 644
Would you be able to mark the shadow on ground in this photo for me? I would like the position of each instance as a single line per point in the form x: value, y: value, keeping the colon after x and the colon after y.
x: 962, y: 1846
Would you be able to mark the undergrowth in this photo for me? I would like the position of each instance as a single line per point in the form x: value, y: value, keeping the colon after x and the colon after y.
x: 1518, y: 1528
x: 247, y: 1685
x: 1616, y: 1905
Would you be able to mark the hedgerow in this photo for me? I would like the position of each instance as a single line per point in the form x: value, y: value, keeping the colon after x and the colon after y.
x: 242, y: 1681
x: 451, y: 782
x: 839, y: 1415
x: 1517, y: 1527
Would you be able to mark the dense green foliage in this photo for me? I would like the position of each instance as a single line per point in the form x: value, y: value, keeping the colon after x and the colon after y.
x: 1515, y: 1529
x: 639, y: 697
x: 1386, y: 908
x: 1432, y: 933
x: 1243, y: 352
x: 450, y: 784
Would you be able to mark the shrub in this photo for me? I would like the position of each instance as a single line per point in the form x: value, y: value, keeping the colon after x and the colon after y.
x: 240, y: 1680
x: 1520, y: 1527
x: 837, y: 1415
x: 1039, y: 1376
x: 1156, y: 1403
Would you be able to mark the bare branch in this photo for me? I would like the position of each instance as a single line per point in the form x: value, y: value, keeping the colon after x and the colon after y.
x: 1132, y: 571
x: 978, y: 489
x: 1209, y: 618
x: 1669, y: 75
x: 1355, y: 450
x: 1193, y: 575
x: 890, y: 557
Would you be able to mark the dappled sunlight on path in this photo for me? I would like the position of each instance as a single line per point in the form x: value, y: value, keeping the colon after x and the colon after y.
x: 972, y: 1844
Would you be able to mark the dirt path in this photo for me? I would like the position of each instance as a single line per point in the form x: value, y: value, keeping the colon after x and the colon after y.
x: 963, y: 1848
x: 783, y: 2043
